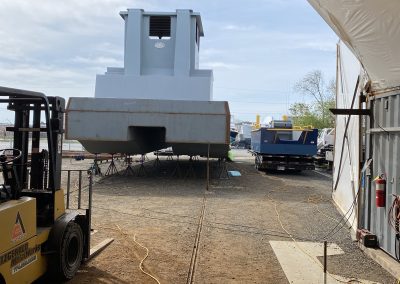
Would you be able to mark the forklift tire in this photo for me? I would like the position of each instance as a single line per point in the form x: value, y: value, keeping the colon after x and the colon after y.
x: 70, y: 253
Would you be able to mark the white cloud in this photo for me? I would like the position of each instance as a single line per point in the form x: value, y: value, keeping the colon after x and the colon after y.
x: 290, y: 40
x: 56, y: 46
x: 59, y: 46
x: 46, y: 73
x: 108, y: 48
x: 321, y: 45
x: 219, y: 64
x: 99, y: 61
x: 211, y: 51
x: 261, y: 41
x: 53, y: 80
x: 237, y: 28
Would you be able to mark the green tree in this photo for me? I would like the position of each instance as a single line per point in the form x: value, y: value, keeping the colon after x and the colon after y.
x: 316, y: 114
x: 303, y: 116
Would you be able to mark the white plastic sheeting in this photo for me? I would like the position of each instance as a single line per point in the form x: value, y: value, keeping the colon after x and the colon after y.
x: 346, y: 174
x: 371, y: 29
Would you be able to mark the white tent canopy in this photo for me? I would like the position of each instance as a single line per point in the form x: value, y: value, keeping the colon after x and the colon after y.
x: 346, y: 172
x: 371, y: 29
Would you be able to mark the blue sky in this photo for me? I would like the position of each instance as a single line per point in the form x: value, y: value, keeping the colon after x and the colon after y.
x: 258, y: 49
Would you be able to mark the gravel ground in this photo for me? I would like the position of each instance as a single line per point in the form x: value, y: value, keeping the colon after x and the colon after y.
x: 162, y: 213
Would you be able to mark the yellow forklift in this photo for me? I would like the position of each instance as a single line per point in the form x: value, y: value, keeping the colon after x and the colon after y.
x: 38, y: 235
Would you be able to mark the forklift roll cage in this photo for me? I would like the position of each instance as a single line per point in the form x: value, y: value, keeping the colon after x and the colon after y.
x: 45, y: 179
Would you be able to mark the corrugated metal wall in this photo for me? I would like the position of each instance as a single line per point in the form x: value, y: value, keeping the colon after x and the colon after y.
x: 383, y: 145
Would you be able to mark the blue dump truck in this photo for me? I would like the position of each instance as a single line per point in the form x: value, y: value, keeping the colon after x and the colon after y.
x: 282, y: 147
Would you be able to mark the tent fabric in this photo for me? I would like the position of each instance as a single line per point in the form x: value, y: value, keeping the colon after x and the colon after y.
x: 346, y: 174
x: 371, y: 29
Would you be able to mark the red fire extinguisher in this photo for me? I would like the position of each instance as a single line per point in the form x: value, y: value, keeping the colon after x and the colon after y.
x: 380, y: 183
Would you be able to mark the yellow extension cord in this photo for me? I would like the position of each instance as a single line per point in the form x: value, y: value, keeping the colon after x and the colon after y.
x: 136, y: 242
x: 147, y: 254
x: 313, y: 199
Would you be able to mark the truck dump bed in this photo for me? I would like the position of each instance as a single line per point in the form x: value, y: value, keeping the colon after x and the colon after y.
x: 284, y: 148
x: 284, y: 141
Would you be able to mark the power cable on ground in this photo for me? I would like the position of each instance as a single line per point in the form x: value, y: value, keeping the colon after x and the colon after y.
x: 256, y: 231
x: 144, y: 258
x: 302, y: 250
x: 127, y: 237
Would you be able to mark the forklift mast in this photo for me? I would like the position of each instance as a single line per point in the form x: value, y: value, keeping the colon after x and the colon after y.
x: 56, y: 238
x: 44, y: 177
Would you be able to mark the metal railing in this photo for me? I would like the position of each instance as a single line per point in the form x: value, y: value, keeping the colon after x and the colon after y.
x: 76, y: 185
x: 79, y: 184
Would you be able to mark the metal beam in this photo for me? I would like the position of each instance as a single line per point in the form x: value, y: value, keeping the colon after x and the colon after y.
x: 345, y: 111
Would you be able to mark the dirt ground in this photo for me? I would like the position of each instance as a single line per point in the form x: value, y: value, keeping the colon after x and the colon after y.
x: 162, y: 213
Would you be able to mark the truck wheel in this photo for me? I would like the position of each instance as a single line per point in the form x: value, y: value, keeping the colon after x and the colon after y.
x: 71, y: 251
x: 257, y: 164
